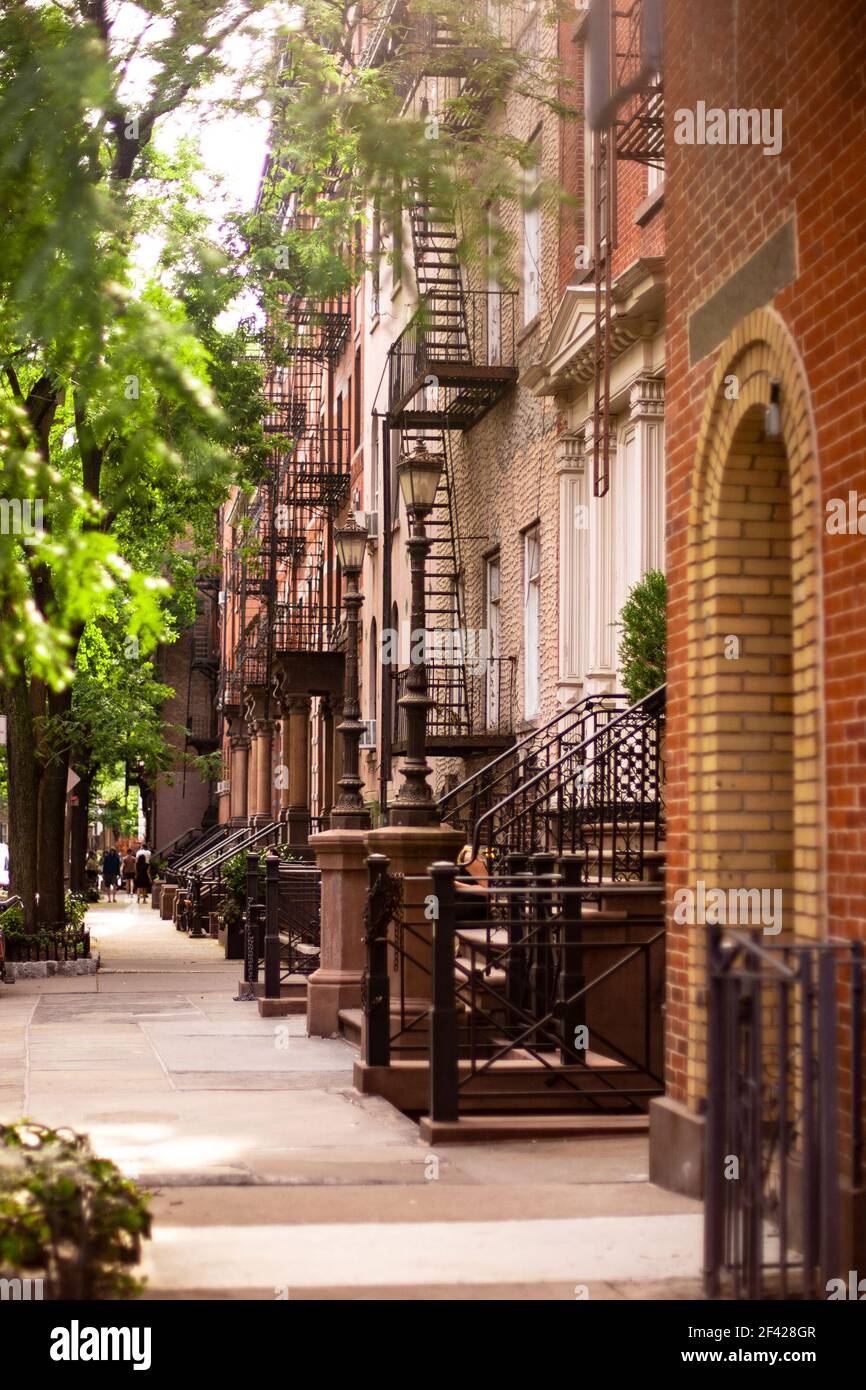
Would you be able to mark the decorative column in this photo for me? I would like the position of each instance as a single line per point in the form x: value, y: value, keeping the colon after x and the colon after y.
x: 251, y: 770
x: 239, y: 745
x: 264, y: 777
x: 646, y: 413
x: 285, y: 729
x: 298, y: 815
x: 603, y: 642
x: 570, y: 463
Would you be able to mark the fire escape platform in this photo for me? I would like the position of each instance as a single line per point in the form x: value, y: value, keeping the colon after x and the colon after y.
x: 470, y: 393
x: 461, y: 745
x: 310, y: 672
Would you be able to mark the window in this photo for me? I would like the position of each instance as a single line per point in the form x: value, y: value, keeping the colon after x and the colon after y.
x: 493, y: 636
x: 532, y: 242
x: 356, y: 399
x: 494, y: 296
x: 373, y: 665
x: 375, y: 258
x: 374, y: 465
x: 531, y: 621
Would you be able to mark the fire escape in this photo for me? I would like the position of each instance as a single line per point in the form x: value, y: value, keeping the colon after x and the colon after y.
x: 455, y: 359
x: 284, y: 578
x: 629, y: 126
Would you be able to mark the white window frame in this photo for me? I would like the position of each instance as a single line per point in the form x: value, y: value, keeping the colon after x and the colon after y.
x: 531, y: 623
x: 532, y: 240
x: 493, y: 588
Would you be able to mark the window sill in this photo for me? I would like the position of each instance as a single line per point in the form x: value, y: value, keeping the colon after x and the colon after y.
x: 529, y: 329
x: 650, y: 204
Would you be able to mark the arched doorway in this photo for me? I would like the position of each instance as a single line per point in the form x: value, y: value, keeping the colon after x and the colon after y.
x: 756, y: 808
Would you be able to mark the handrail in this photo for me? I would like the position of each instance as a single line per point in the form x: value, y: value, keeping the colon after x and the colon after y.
x: 653, y: 696
x: 206, y: 847
x: 508, y: 753
x: 252, y: 839
x: 166, y: 849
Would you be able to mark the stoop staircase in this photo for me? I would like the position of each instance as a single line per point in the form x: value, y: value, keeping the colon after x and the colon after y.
x: 546, y: 977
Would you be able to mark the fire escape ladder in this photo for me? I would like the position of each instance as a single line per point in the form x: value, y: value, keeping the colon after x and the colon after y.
x: 631, y: 127
x: 604, y: 232
x: 440, y: 283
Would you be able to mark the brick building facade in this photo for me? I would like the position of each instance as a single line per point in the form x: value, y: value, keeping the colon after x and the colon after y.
x: 766, y: 386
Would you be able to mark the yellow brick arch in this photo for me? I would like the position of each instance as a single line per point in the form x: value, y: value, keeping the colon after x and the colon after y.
x: 756, y: 814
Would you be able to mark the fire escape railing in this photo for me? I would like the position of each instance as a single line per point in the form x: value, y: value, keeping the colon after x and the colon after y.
x: 467, y: 341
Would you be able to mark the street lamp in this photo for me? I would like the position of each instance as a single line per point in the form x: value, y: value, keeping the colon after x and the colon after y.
x: 419, y: 476
x: 350, y: 813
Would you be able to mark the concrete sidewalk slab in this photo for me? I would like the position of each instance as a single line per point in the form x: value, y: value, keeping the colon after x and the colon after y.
x: 271, y: 1172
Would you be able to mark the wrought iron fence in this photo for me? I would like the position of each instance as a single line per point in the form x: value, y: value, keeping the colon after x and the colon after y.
x: 781, y: 1130
x: 58, y: 943
x: 282, y: 933
x: 535, y: 997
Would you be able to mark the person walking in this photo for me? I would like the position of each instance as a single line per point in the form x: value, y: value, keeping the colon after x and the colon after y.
x: 91, y: 869
x: 127, y: 870
x: 110, y: 873
x: 142, y: 873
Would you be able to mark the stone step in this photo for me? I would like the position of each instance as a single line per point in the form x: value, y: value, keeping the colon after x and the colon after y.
x: 473, y: 1128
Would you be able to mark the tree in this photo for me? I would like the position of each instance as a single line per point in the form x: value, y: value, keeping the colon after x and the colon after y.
x: 111, y: 419
x: 124, y: 411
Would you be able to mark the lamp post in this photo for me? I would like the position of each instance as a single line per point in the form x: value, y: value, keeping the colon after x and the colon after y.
x: 419, y: 476
x: 350, y: 813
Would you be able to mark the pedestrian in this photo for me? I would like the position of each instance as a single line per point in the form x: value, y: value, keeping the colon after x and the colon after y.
x: 110, y: 873
x: 142, y: 873
x: 127, y: 870
x: 91, y: 869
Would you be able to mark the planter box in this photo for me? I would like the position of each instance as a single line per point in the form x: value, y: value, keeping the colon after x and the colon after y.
x: 232, y: 941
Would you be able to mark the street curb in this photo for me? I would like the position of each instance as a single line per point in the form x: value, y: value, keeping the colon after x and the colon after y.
x: 42, y: 969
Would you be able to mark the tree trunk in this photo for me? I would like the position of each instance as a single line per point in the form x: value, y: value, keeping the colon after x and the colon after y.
x: 23, y: 797
x: 78, y: 850
x: 52, y: 823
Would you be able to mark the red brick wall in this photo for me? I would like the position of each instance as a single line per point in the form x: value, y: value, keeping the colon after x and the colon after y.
x: 722, y: 202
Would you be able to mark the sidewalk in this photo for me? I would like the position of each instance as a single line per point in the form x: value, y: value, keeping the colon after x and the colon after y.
x: 273, y: 1178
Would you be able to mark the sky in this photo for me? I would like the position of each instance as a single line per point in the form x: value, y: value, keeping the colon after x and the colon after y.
x: 233, y: 145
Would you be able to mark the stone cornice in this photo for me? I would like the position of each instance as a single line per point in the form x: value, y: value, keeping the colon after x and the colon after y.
x: 567, y: 358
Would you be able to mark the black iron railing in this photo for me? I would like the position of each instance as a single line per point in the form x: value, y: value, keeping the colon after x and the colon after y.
x: 464, y: 804
x: 206, y: 847
x: 282, y: 924
x: 452, y: 351
x: 465, y: 704
x: 600, y: 798
x: 537, y: 997
x: 182, y: 844
x: 202, y: 728
x: 781, y: 1132
x: 300, y: 628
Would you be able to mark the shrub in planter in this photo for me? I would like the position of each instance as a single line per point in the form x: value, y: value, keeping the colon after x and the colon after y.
x: 643, y: 647
x: 67, y: 1216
